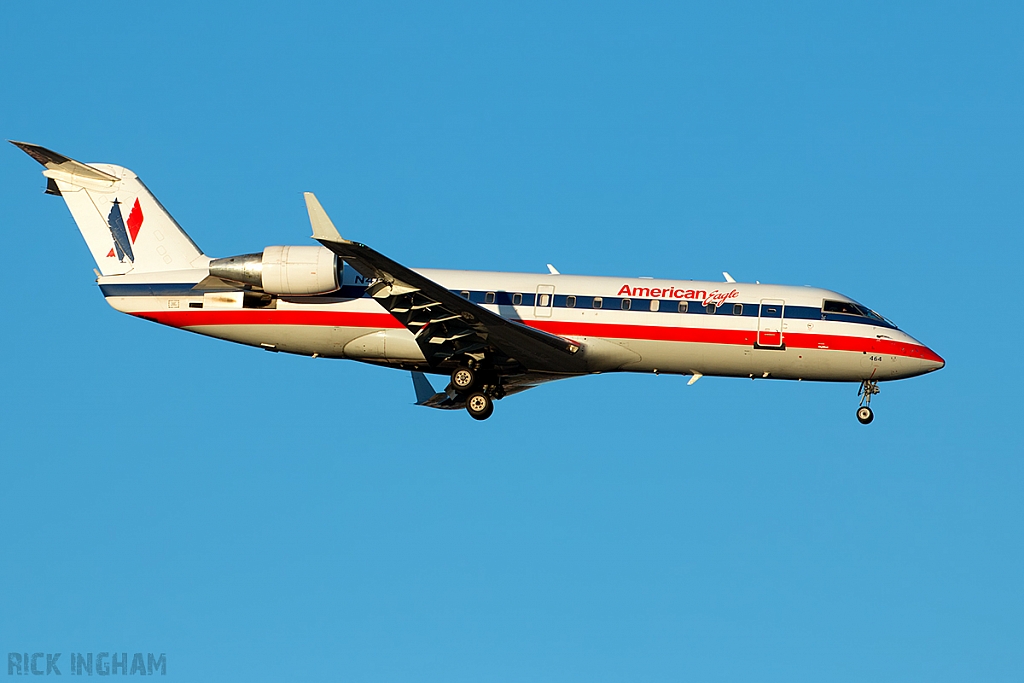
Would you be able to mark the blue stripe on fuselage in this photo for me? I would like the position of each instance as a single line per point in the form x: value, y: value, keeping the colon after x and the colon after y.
x: 189, y: 289
x: 609, y: 303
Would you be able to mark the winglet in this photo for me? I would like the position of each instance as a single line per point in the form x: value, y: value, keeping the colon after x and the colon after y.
x: 323, y: 228
x: 728, y: 278
x: 424, y: 391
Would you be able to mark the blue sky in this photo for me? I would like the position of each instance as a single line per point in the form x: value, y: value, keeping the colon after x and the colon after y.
x: 261, y: 518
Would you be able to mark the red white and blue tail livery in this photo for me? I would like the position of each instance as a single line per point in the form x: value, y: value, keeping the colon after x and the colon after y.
x: 492, y: 334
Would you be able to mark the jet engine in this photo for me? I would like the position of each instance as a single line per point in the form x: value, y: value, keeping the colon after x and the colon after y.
x: 288, y: 271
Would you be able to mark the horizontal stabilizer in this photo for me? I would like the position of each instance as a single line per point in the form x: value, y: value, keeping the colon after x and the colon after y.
x: 59, y: 162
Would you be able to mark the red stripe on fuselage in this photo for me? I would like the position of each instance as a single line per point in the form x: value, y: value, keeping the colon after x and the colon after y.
x: 697, y: 335
x: 703, y: 335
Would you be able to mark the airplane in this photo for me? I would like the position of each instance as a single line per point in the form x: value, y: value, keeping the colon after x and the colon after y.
x: 492, y: 334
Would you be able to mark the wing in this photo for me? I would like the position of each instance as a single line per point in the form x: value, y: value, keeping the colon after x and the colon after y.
x: 445, y: 325
x: 449, y: 399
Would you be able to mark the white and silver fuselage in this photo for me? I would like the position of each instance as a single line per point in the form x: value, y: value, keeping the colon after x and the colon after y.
x: 622, y: 324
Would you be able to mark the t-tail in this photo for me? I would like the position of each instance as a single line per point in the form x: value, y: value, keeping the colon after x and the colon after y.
x: 125, y: 227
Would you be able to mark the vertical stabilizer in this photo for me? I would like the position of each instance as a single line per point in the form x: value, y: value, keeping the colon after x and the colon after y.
x: 125, y: 227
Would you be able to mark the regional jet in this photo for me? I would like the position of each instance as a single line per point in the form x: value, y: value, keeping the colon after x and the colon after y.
x: 490, y: 334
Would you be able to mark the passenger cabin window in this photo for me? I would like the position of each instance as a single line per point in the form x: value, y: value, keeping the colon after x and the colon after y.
x: 465, y: 295
x: 737, y: 309
x: 626, y: 303
x: 545, y: 300
x: 517, y: 299
x: 598, y: 302
x: 655, y: 304
x: 489, y: 298
x: 711, y: 308
x: 570, y: 302
x: 682, y: 307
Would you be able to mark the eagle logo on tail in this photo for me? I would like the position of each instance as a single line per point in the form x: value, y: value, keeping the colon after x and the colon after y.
x: 124, y: 236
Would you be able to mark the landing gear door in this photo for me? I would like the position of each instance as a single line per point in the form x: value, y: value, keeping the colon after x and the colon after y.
x: 769, y: 323
x: 545, y: 301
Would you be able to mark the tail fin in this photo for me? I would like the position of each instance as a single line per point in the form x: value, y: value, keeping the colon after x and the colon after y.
x: 123, y: 224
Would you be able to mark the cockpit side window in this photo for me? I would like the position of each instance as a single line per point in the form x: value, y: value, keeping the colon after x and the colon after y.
x: 844, y: 307
x: 850, y: 308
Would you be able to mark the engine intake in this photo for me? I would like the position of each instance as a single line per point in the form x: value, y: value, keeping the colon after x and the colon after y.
x: 294, y: 271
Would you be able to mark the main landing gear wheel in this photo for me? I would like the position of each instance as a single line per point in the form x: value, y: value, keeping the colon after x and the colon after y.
x: 868, y: 388
x: 463, y: 379
x: 479, y: 406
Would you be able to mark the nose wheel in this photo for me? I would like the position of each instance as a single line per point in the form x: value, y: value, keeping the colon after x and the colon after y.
x: 868, y: 388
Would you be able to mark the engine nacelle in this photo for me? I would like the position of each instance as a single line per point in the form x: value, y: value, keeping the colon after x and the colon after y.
x: 300, y: 270
x: 288, y: 271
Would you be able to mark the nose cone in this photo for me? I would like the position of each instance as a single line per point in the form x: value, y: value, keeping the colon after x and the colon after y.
x: 932, y: 360
x: 922, y: 360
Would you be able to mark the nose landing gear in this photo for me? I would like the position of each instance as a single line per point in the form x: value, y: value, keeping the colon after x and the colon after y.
x: 868, y: 388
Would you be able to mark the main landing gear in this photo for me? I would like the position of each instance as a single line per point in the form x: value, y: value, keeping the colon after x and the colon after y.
x: 463, y: 379
x: 868, y: 388
x: 479, y: 390
x: 479, y: 405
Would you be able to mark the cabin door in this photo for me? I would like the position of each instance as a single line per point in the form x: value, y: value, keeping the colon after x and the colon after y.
x: 769, y: 323
x: 545, y: 301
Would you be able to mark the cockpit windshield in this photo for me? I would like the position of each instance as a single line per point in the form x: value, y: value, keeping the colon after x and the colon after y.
x: 851, y: 308
x: 874, y: 315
